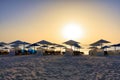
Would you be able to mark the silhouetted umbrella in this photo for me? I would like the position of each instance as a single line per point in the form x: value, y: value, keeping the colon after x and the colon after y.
x: 115, y: 45
x: 94, y: 44
x: 105, y: 47
x: 99, y: 43
x: 93, y: 47
x: 44, y: 42
x: 118, y: 45
x: 58, y: 45
x: 52, y: 47
x: 25, y: 43
x: 18, y: 43
x: 14, y: 45
x: 54, y: 44
x: 33, y: 45
x: 77, y: 46
x: 44, y: 46
x: 3, y: 43
x: 71, y: 43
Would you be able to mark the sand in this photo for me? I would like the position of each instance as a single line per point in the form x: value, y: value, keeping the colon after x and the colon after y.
x: 36, y: 67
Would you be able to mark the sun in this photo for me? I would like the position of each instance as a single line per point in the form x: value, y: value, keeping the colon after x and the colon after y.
x: 72, y: 31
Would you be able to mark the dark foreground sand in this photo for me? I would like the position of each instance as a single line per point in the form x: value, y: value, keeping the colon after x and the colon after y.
x: 35, y: 67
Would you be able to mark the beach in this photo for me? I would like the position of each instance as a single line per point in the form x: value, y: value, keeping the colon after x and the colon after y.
x: 57, y: 67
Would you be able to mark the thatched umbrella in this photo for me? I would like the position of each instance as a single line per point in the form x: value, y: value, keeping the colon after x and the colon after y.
x: 99, y: 43
x: 14, y: 45
x: 18, y: 43
x: 92, y: 47
x: 3, y: 43
x: 105, y: 47
x: 53, y: 48
x: 71, y: 43
x: 77, y: 46
x: 60, y: 46
x: 33, y: 45
x: 44, y: 46
x: 44, y: 42
x: 115, y: 45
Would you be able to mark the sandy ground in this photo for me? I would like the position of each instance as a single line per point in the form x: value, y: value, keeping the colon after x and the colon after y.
x: 35, y: 67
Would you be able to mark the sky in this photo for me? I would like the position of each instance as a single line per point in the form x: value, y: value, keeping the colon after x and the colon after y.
x: 35, y: 20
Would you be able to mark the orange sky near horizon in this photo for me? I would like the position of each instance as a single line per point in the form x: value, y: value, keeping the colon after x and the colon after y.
x: 46, y: 20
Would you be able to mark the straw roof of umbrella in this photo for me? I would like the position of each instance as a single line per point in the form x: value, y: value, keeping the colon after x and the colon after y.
x: 77, y: 45
x: 44, y: 46
x: 99, y: 42
x: 34, y: 44
x: 71, y: 42
x: 93, y: 47
x: 95, y: 44
x: 16, y: 42
x: 52, y: 47
x: 14, y: 45
x: 19, y: 42
x: 55, y: 44
x: 118, y: 45
x: 44, y: 42
x: 26, y: 43
x: 58, y: 45
x: 104, y: 47
x: 115, y: 45
x: 3, y: 43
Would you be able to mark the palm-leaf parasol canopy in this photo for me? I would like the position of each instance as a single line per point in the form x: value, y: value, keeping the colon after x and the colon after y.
x: 99, y: 42
x: 115, y: 45
x: 17, y: 43
x: 33, y: 45
x: 44, y: 42
x: 71, y: 42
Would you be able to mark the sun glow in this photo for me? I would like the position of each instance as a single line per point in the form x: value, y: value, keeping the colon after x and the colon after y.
x: 72, y: 31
